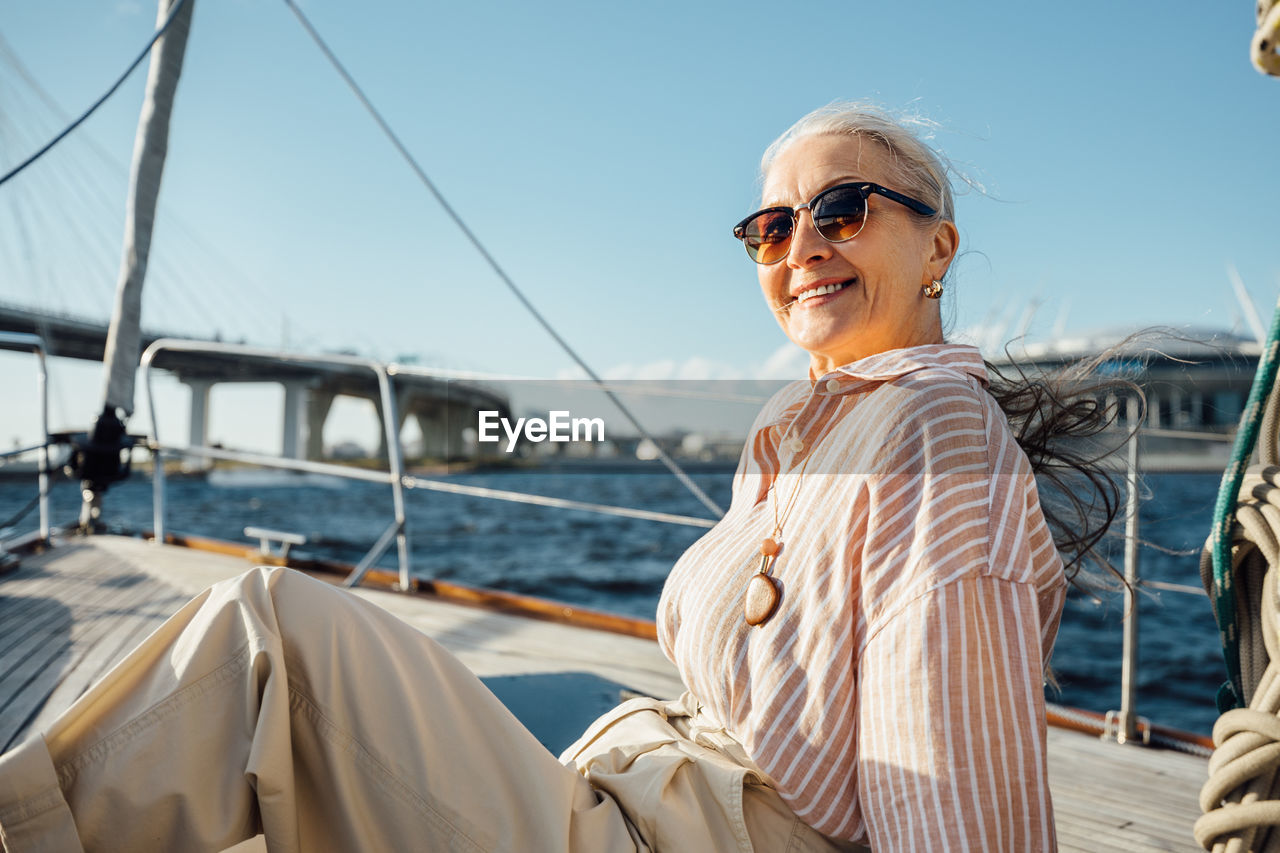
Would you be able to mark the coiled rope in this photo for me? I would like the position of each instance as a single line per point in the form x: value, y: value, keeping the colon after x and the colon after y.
x: 1241, y: 799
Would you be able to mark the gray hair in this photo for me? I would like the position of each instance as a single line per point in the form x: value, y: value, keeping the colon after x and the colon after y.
x: 917, y: 170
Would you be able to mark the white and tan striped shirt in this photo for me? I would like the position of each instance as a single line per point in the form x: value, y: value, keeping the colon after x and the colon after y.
x: 896, y: 697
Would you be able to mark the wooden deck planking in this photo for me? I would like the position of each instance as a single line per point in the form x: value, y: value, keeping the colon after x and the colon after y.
x: 490, y: 643
x: 1135, y: 798
x: 1106, y: 797
x: 65, y: 624
x: 118, y: 637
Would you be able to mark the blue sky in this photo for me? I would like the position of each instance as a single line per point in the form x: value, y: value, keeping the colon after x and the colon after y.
x: 602, y: 151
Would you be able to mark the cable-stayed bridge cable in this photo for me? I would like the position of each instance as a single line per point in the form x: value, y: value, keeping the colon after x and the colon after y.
x: 173, y: 13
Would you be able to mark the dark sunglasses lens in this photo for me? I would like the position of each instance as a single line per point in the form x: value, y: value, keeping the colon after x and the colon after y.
x: 767, y: 237
x: 840, y: 214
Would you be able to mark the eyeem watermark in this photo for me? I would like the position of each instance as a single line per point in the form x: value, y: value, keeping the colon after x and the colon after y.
x: 558, y: 427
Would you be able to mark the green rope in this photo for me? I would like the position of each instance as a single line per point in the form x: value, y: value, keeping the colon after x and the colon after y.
x: 1224, y: 513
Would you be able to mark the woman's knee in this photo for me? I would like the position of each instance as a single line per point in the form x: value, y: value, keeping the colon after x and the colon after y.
x: 265, y: 607
x: 313, y: 617
x: 277, y: 590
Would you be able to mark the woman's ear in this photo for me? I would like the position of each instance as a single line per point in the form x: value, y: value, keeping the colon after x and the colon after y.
x: 946, y: 240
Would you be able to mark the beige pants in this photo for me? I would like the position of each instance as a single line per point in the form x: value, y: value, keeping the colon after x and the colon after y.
x: 274, y: 703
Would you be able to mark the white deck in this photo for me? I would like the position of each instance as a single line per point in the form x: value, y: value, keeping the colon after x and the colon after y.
x: 66, y: 615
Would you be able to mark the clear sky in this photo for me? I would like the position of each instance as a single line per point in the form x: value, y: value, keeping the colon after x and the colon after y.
x: 1125, y: 154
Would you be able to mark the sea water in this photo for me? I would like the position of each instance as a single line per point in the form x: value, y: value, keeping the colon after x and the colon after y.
x: 619, y: 564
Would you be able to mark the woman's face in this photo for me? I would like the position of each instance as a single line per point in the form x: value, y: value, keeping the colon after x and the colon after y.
x: 881, y: 305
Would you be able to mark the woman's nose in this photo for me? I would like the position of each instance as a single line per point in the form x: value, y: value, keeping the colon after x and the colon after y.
x: 807, y: 245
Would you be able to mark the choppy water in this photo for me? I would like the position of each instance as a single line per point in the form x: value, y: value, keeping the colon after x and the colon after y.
x: 619, y: 565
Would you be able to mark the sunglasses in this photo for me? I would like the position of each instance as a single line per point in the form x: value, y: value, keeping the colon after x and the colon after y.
x: 838, y: 213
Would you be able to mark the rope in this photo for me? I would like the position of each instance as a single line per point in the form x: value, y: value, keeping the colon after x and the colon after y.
x: 1241, y: 800
x: 1222, y: 589
x: 490, y: 259
x: 1265, y: 49
x: 173, y: 13
x: 1239, y: 566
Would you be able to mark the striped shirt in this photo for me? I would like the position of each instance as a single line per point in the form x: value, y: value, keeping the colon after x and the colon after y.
x: 896, y: 696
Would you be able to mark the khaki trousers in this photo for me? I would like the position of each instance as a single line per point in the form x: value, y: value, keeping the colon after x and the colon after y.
x: 276, y: 704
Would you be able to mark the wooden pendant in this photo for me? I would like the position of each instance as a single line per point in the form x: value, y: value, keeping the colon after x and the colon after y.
x: 762, y: 599
x: 763, y: 595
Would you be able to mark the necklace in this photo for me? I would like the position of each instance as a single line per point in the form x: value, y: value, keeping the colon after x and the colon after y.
x: 764, y: 592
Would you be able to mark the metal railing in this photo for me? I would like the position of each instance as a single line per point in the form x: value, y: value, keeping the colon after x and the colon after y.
x: 394, y: 476
x: 1125, y: 725
x: 1126, y: 719
x: 23, y: 342
x: 397, y: 530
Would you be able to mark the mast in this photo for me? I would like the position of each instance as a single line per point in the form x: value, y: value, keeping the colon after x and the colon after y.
x: 103, y: 459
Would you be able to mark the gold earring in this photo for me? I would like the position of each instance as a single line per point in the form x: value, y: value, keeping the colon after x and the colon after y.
x: 933, y: 290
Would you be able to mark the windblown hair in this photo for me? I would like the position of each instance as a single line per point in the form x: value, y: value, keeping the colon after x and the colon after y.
x: 1063, y: 422
x: 1057, y: 419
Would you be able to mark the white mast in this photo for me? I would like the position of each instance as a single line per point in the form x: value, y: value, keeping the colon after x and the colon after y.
x: 101, y: 458
x: 1246, y: 305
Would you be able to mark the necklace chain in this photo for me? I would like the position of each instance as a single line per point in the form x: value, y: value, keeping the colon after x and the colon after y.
x: 791, y: 499
x: 763, y: 591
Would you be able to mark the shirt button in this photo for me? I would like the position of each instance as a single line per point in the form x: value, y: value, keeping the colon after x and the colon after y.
x: 833, y: 385
x: 794, y: 445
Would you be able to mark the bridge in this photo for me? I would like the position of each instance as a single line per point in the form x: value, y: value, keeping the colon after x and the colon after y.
x: 65, y: 335
x: 442, y: 407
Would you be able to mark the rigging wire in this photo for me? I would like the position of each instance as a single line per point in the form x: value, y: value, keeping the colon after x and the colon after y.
x: 484, y: 253
x: 84, y: 181
x: 173, y: 12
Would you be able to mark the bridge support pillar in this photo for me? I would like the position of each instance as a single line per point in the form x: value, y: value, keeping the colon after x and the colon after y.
x: 382, y: 429
x: 319, y: 404
x: 430, y: 424
x: 295, y: 415
x: 198, y: 424
x: 441, y: 424
x: 404, y: 401
x: 460, y: 418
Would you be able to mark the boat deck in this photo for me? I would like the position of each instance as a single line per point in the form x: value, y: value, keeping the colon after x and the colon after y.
x: 68, y: 614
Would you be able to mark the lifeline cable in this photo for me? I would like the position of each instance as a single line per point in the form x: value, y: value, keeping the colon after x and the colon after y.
x: 20, y: 514
x: 173, y: 13
x: 493, y: 263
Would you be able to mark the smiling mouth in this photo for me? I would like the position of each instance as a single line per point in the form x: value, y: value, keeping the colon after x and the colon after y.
x: 824, y: 290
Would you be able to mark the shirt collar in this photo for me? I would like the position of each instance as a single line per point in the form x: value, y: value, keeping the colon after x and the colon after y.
x: 881, y: 367
x: 884, y: 366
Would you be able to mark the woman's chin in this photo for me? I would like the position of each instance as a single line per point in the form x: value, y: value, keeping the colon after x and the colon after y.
x: 827, y: 342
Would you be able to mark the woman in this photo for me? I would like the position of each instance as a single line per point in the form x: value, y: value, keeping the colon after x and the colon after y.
x: 864, y: 635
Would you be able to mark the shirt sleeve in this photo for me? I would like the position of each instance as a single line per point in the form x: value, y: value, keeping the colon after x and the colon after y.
x: 950, y: 691
x: 951, y: 723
